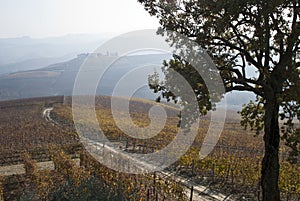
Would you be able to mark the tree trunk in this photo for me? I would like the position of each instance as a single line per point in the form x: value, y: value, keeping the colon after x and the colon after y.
x: 270, y: 163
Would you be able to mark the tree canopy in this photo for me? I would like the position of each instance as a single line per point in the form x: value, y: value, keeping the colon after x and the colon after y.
x: 242, y: 37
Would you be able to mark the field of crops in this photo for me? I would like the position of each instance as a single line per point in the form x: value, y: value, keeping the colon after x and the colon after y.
x: 26, y: 137
x: 23, y: 128
x: 233, y: 166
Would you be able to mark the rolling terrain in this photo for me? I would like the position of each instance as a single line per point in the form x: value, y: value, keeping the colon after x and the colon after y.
x: 58, y: 79
x: 25, y: 53
x: 233, y: 167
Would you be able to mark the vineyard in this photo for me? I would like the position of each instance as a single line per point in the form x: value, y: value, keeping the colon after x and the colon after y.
x: 27, y: 138
x: 23, y: 128
x: 233, y: 168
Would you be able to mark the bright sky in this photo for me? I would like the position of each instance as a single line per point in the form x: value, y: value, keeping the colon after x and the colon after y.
x: 43, y: 18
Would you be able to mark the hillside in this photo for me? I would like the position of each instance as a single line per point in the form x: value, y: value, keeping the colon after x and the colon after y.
x: 26, y: 53
x: 58, y: 79
x: 233, y: 167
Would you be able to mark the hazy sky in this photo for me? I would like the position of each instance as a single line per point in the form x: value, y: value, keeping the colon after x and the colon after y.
x: 43, y: 18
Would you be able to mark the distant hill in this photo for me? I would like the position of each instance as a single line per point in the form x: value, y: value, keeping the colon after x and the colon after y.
x: 30, y: 64
x: 235, y: 100
x: 25, y: 53
x: 58, y: 79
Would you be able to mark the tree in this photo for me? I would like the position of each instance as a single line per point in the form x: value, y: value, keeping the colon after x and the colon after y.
x: 241, y: 36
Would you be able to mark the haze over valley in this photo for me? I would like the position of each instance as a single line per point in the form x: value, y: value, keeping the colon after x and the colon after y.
x: 38, y: 78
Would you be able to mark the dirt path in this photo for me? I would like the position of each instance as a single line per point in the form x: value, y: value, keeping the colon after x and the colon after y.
x: 19, y: 169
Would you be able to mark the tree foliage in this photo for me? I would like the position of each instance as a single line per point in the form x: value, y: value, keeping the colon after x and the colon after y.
x: 242, y: 37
